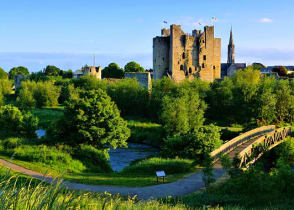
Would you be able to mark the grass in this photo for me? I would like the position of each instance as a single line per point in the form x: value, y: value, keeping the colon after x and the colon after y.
x: 48, y: 115
x: 145, y: 131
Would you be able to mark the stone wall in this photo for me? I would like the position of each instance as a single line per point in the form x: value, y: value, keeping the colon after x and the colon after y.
x: 143, y: 78
x: 160, y: 56
x: 186, y: 56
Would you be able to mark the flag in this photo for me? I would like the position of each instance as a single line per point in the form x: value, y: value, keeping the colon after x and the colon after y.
x: 200, y: 24
x: 165, y: 22
x: 213, y: 18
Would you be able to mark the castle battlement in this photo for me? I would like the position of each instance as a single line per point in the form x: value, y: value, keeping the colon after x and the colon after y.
x: 181, y: 55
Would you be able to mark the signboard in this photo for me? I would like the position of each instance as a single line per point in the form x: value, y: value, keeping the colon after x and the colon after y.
x: 160, y: 173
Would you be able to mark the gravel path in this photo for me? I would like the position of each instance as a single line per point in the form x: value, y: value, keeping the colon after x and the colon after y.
x: 181, y: 187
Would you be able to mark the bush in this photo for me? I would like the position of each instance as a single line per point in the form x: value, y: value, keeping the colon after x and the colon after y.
x: 39, y: 94
x: 151, y: 165
x: 95, y: 160
x: 5, y: 86
x: 193, y: 145
x: 92, y: 118
x: 11, y: 143
x: 3, y: 74
x: 129, y: 96
x: 20, y: 123
x: 51, y: 156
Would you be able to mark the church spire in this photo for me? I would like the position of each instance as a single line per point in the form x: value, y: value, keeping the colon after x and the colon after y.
x: 231, y: 49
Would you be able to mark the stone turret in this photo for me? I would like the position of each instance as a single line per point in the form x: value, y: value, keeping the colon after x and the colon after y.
x: 231, y: 49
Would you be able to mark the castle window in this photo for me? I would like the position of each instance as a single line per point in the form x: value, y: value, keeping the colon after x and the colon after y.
x: 203, y: 41
x: 190, y: 70
x: 181, y: 67
x: 163, y: 59
x: 183, y: 56
x: 97, y: 70
x: 213, y: 67
x: 203, y: 65
x: 204, y: 57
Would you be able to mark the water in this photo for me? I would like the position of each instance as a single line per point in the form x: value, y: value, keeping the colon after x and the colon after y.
x: 121, y: 158
x: 40, y: 133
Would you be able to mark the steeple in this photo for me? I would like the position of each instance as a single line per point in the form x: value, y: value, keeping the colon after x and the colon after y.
x: 231, y: 49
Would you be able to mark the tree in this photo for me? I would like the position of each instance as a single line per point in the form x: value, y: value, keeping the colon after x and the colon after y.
x: 113, y: 71
x: 182, y: 112
x: 193, y: 145
x: 258, y: 66
x: 3, y: 74
x: 18, y: 70
x: 14, y: 121
x: 284, y: 100
x: 52, y: 71
x: 281, y: 70
x: 25, y: 99
x: 93, y: 119
x: 1, y: 99
x: 133, y: 67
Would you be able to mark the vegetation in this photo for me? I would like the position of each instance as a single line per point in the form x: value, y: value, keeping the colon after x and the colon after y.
x: 52, y: 71
x: 37, y: 94
x: 133, y: 67
x: 3, y: 74
x: 112, y: 71
x: 12, y: 120
x: 18, y: 70
x: 92, y: 119
x: 5, y: 86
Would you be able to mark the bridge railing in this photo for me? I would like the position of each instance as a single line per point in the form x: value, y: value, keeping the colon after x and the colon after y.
x: 235, y: 142
x: 268, y: 141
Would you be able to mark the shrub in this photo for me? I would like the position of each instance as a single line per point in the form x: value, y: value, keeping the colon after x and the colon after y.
x: 193, y: 145
x: 95, y: 160
x: 3, y: 74
x: 129, y: 96
x: 11, y: 143
x: 5, y: 86
x: 25, y: 99
x: 1, y: 99
x: 151, y: 165
x: 92, y: 119
x: 39, y: 94
x: 20, y: 123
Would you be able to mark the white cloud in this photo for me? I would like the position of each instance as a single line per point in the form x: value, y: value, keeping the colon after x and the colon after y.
x: 266, y: 20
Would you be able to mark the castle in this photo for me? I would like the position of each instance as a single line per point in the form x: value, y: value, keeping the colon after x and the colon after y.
x: 186, y: 56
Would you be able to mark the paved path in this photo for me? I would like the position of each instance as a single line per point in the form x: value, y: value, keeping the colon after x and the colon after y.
x: 184, y: 186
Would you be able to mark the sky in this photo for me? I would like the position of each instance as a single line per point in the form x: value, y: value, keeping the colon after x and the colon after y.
x: 66, y: 33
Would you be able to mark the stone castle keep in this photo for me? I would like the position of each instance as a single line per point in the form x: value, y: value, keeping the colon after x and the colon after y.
x: 180, y: 55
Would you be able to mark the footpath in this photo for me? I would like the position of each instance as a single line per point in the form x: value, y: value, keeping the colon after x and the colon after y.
x: 181, y: 187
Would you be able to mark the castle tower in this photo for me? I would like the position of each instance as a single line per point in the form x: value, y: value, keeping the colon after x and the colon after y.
x: 231, y: 49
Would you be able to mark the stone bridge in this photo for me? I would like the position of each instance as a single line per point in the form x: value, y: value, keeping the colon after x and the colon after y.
x: 250, y: 146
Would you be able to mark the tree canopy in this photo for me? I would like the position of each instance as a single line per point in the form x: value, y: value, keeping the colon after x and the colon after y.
x: 18, y: 70
x: 52, y: 71
x: 133, y: 67
x: 93, y: 119
x: 112, y: 71
x: 3, y: 74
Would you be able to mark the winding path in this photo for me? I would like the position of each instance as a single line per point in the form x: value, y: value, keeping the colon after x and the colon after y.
x: 184, y: 186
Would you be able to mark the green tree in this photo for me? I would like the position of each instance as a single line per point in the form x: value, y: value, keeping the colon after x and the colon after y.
x: 284, y: 100
x: 5, y: 86
x: 133, y: 67
x: 3, y: 74
x: 183, y: 113
x: 17, y: 122
x: 18, y: 70
x: 113, y: 71
x: 266, y: 102
x: 193, y: 145
x: 281, y: 70
x: 95, y: 120
x: 1, y: 99
x: 25, y: 99
x: 52, y: 70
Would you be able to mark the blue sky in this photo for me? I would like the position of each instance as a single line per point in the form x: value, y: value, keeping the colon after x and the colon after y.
x: 66, y: 33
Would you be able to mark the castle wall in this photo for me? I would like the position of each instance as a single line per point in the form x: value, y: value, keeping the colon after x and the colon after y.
x: 197, y: 55
x: 160, y: 56
x: 143, y: 78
